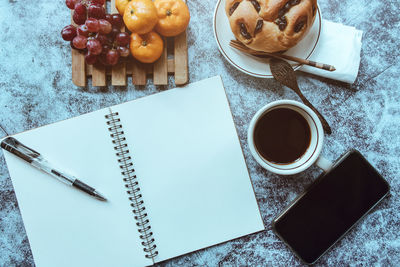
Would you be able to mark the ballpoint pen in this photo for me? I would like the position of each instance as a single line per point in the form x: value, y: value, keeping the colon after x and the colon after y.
x: 34, y: 158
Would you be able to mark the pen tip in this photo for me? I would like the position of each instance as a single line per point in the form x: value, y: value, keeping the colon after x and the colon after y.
x: 100, y: 196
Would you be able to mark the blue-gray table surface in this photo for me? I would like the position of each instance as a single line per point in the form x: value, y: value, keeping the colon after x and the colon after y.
x: 36, y: 89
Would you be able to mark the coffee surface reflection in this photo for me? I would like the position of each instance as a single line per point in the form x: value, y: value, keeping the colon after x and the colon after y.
x: 282, y: 135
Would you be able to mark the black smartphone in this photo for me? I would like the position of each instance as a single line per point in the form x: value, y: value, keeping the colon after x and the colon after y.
x: 330, y: 207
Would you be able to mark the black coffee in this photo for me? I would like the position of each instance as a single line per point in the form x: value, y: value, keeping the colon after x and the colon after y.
x: 282, y: 135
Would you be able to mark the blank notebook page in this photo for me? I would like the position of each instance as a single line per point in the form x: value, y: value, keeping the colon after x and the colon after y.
x: 66, y: 227
x: 190, y: 168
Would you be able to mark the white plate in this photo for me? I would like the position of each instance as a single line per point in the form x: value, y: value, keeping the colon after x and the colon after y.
x: 251, y: 65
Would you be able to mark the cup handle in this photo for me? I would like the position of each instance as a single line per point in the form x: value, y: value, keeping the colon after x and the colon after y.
x: 324, y: 163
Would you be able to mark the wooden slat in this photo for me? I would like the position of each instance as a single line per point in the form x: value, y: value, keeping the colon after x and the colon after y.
x: 118, y: 73
x: 99, y: 72
x: 98, y: 75
x: 160, y: 73
x: 181, y: 59
x: 78, y: 65
x: 78, y: 68
x: 138, y: 73
x: 129, y: 65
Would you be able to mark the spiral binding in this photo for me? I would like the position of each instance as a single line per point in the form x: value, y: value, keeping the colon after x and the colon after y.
x: 131, y: 183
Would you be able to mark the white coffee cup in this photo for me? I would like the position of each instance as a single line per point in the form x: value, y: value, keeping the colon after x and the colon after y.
x: 310, y: 156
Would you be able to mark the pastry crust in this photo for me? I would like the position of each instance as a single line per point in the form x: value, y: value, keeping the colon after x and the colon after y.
x: 270, y: 25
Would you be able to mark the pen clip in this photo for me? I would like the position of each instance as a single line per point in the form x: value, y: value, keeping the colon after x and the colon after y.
x: 14, y: 146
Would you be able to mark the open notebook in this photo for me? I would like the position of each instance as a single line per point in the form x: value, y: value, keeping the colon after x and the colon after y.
x: 188, y: 163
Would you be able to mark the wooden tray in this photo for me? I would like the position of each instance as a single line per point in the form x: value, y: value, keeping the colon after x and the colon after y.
x: 159, y: 69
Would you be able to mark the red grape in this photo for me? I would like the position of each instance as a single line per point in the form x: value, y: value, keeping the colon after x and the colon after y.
x: 114, y: 32
x: 98, y: 2
x: 94, y: 46
x: 79, y: 19
x: 105, y: 49
x: 108, y: 17
x: 70, y: 3
x: 102, y: 38
x: 112, y: 57
x: 123, y: 51
x: 92, y: 24
x: 79, y: 42
x: 102, y: 58
x: 117, y: 20
x: 110, y: 40
x: 72, y: 45
x: 80, y: 9
x: 90, y: 58
x: 83, y: 30
x: 105, y: 26
x: 122, y: 38
x: 68, y: 33
x: 96, y: 11
x: 98, y: 34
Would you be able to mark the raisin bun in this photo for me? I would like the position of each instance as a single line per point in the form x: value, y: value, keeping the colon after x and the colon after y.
x: 270, y: 25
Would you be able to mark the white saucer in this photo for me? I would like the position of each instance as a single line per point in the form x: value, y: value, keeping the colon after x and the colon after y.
x: 251, y: 65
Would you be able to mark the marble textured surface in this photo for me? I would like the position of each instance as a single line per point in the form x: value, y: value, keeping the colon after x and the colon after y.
x: 36, y: 89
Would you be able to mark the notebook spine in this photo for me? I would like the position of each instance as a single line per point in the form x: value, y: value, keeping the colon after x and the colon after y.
x: 132, y: 185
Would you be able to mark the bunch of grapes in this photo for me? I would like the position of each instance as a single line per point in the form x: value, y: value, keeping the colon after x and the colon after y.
x: 98, y: 34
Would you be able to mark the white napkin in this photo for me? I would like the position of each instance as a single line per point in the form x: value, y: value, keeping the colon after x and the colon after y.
x: 339, y: 45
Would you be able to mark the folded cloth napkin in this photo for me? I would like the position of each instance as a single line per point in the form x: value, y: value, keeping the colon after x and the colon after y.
x: 339, y: 45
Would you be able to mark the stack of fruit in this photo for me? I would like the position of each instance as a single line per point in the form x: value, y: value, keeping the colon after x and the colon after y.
x: 98, y: 34
x: 167, y: 17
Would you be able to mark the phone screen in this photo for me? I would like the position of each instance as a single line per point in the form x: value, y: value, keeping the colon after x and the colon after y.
x: 330, y: 206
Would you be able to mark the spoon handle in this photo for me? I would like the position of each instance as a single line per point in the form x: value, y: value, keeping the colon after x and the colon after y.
x: 325, y: 124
